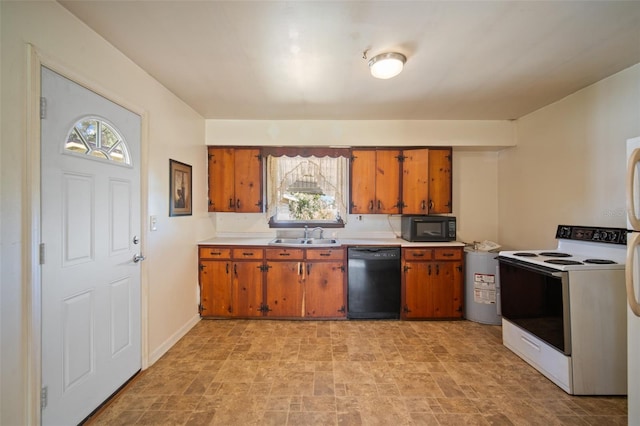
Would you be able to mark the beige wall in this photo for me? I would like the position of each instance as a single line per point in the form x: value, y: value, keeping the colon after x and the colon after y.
x: 569, y: 165
x: 172, y: 130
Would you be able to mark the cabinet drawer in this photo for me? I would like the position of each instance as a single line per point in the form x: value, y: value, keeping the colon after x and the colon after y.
x: 325, y: 254
x: 248, y: 253
x: 214, y: 253
x: 417, y: 254
x: 284, y: 254
x: 448, y: 254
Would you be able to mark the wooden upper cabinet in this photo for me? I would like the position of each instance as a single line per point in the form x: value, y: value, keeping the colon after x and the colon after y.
x: 235, y: 180
x: 419, y: 184
x: 375, y: 181
x: 440, y: 192
x: 415, y: 181
x: 363, y: 181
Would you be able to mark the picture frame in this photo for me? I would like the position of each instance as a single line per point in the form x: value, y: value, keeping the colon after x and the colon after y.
x: 180, y: 199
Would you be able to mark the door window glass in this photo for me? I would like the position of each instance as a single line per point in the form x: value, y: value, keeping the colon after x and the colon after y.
x: 98, y: 139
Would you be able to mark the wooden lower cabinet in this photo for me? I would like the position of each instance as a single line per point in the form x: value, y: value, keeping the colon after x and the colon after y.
x: 274, y: 283
x: 324, y: 290
x: 432, y: 283
x: 284, y: 283
x: 247, y: 289
x: 310, y: 283
x: 215, y: 288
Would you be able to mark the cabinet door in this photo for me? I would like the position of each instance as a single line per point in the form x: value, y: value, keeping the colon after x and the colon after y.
x: 221, y: 180
x: 324, y: 290
x: 247, y: 289
x: 387, y: 182
x: 248, y: 181
x: 285, y: 289
x: 415, y: 181
x: 440, y: 181
x: 446, y: 291
x: 417, y: 302
x: 215, y: 288
x: 363, y: 181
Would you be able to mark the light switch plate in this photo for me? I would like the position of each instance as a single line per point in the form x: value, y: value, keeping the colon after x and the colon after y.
x: 153, y: 223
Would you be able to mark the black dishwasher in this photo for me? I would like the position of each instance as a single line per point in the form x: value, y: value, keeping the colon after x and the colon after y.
x: 374, y: 283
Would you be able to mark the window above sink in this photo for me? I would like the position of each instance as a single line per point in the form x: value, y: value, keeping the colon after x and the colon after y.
x: 308, y: 190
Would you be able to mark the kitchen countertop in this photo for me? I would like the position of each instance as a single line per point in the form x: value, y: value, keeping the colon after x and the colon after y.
x: 264, y: 241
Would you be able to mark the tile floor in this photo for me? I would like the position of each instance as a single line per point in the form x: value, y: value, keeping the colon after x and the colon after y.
x: 242, y: 372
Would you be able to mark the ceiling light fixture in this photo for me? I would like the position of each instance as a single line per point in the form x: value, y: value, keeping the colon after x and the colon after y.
x: 387, y: 65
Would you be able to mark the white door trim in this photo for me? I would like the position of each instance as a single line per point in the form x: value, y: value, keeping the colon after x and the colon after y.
x: 32, y: 279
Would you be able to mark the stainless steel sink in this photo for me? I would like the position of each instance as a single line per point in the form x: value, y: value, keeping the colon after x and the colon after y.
x: 288, y: 241
x: 316, y: 241
x: 305, y: 242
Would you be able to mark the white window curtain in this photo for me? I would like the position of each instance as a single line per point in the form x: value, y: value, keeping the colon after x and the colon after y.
x: 330, y: 174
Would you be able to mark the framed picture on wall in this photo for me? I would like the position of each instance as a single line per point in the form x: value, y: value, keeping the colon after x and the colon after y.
x: 179, y: 189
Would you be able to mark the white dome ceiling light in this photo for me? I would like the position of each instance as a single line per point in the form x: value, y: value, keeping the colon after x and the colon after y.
x: 387, y: 65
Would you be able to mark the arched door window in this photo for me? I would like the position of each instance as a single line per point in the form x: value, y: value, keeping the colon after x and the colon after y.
x: 98, y: 139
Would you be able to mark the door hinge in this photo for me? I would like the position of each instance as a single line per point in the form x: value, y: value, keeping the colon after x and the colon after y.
x: 200, y: 308
x: 44, y: 397
x: 43, y: 108
x: 401, y: 158
x: 264, y: 308
x: 406, y: 268
x: 406, y: 309
x: 342, y: 309
x: 41, y: 253
x: 201, y: 267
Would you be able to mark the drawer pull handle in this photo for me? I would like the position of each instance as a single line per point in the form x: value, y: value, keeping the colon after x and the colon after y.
x: 216, y: 253
x: 418, y: 254
x: 247, y: 254
x: 284, y: 254
x: 325, y: 254
x: 447, y: 254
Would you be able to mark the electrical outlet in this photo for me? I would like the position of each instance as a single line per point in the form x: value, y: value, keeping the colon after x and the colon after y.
x: 153, y: 223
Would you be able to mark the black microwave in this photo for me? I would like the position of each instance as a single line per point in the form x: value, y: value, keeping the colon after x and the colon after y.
x: 428, y: 228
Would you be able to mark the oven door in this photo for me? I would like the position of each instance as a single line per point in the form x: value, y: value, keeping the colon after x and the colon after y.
x: 536, y: 299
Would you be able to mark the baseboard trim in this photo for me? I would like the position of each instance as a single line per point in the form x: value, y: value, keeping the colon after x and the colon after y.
x: 172, y: 340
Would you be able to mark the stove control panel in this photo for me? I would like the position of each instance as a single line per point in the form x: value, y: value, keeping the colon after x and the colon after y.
x: 593, y: 234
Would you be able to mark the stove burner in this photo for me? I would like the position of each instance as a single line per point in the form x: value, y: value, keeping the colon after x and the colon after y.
x: 525, y: 254
x: 600, y: 261
x: 554, y: 254
x: 563, y: 262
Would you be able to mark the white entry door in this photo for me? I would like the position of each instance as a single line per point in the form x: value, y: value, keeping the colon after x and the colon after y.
x: 90, y: 187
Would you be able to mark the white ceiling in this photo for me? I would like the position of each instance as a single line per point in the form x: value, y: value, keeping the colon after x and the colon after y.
x: 304, y: 59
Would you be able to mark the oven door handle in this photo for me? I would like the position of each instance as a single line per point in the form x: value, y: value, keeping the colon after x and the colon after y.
x: 535, y: 268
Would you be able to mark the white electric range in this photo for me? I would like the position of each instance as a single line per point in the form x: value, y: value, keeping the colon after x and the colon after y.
x: 564, y: 309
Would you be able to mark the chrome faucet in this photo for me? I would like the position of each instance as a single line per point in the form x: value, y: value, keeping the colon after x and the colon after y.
x: 308, y: 232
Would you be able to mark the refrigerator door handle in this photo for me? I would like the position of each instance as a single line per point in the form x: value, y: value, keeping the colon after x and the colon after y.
x: 632, y: 243
x: 634, y: 158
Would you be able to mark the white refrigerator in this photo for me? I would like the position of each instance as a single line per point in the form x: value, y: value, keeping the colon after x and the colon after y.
x: 633, y: 279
